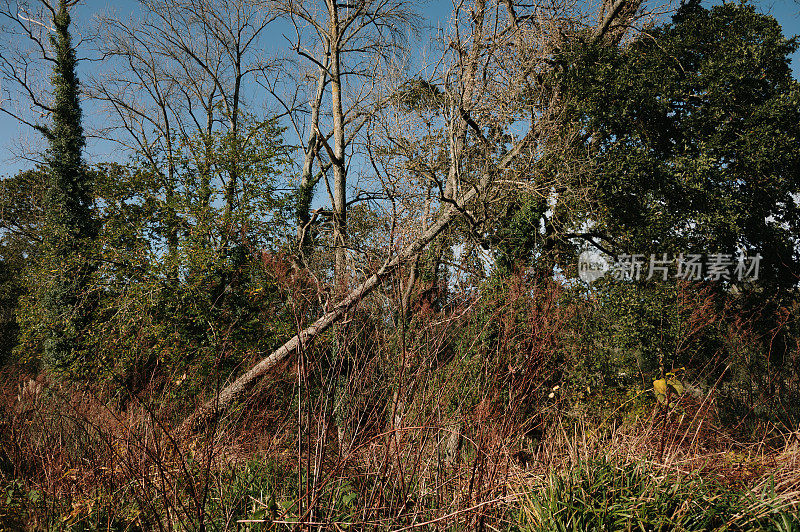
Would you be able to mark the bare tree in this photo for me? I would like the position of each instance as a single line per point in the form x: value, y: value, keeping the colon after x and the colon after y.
x: 341, y: 50
x: 182, y: 73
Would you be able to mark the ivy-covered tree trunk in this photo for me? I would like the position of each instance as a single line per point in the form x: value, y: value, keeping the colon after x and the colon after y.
x: 70, y: 227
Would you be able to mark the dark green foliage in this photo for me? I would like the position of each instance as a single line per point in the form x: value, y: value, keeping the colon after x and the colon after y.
x: 192, y: 312
x: 630, y: 332
x: 521, y: 233
x: 420, y: 95
x: 69, y: 221
x: 695, y: 129
x: 69, y: 196
x: 10, y: 290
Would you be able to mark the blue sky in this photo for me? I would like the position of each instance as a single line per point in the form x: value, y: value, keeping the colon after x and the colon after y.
x: 787, y: 12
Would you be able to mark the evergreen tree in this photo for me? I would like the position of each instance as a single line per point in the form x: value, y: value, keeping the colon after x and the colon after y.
x: 694, y: 132
x: 70, y: 226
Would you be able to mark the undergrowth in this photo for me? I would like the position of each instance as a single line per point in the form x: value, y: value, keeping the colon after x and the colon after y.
x: 603, y: 494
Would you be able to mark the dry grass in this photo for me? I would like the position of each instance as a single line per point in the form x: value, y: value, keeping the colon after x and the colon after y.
x: 68, y: 458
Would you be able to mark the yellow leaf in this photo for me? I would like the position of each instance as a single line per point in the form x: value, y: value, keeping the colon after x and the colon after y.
x: 676, y: 385
x: 660, y: 389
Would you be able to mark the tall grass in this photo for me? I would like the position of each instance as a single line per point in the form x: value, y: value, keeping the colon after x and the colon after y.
x: 602, y: 494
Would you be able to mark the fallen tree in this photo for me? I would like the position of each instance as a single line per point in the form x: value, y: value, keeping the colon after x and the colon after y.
x: 238, y: 388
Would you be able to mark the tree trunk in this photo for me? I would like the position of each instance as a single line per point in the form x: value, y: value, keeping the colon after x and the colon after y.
x: 339, y: 169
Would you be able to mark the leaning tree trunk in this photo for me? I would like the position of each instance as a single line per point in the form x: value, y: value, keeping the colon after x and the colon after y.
x: 238, y: 388
x: 243, y: 384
